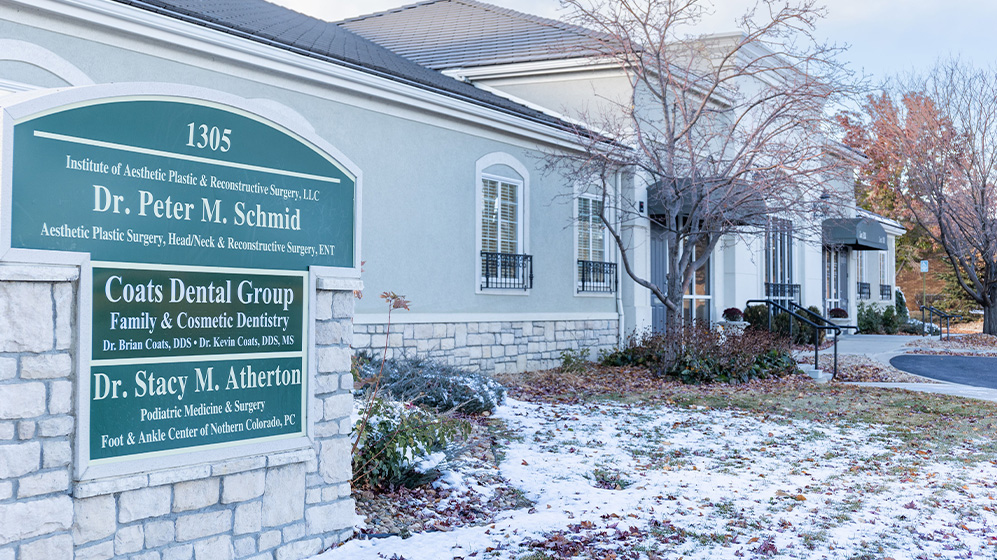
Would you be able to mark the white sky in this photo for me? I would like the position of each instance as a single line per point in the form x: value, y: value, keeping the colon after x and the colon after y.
x: 885, y: 36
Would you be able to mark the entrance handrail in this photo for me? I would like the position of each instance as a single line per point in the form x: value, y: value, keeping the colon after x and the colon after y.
x: 826, y: 325
x: 941, y: 315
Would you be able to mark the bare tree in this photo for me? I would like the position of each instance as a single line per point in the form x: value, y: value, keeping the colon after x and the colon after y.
x: 932, y: 140
x: 728, y: 131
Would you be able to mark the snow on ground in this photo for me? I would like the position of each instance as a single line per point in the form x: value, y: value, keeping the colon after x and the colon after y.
x: 657, y: 481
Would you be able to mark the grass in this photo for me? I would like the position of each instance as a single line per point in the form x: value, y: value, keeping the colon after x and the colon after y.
x: 939, y: 427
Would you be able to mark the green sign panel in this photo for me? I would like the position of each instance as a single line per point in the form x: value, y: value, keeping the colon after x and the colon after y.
x: 141, y: 313
x: 173, y: 182
x: 201, y: 221
x: 190, y: 357
x: 148, y: 407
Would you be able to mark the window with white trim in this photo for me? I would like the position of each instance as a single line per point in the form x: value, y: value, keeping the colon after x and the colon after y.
x: 500, y: 220
x: 595, y: 274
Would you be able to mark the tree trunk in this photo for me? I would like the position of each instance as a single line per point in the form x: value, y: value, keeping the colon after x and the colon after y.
x: 990, y: 320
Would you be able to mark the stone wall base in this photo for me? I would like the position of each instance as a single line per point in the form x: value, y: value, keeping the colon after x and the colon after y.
x: 489, y: 346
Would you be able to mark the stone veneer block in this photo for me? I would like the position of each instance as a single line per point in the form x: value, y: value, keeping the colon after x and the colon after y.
x: 159, y: 533
x: 328, y: 518
x: 335, y: 463
x: 60, y: 397
x: 64, y: 304
x: 26, y: 322
x: 195, y: 494
x: 43, y: 483
x: 33, y: 518
x: 19, y: 459
x: 181, y: 552
x: 248, y: 519
x: 99, y: 551
x: 333, y: 359
x: 200, y: 525
x: 46, y: 366
x: 94, y: 519
x: 338, y: 406
x: 22, y: 400
x: 8, y: 368
x: 218, y: 548
x: 300, y: 549
x: 284, y: 497
x: 144, y: 503
x: 55, y: 548
x: 129, y: 539
x: 243, y: 487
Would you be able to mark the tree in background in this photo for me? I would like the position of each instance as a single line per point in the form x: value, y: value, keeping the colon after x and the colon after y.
x: 931, y: 141
x: 728, y: 130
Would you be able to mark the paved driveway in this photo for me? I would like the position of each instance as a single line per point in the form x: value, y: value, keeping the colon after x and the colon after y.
x: 968, y: 370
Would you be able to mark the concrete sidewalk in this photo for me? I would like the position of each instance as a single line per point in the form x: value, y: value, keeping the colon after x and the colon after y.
x: 884, y: 347
x: 953, y: 389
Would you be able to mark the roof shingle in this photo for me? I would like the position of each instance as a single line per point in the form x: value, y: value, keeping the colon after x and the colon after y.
x: 260, y: 21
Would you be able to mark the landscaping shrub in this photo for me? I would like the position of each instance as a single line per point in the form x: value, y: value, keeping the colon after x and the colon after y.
x: 401, y: 444
x: 639, y: 349
x: 804, y: 332
x: 900, y: 302
x: 869, y: 319
x: 732, y: 314
x: 891, y: 321
x: 574, y: 361
x: 706, y: 358
x: 757, y: 316
x: 436, y: 385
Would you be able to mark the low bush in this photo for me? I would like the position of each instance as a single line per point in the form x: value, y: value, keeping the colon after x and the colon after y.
x: 757, y: 316
x: 639, y: 349
x: 915, y: 326
x: 574, y: 361
x: 707, y: 358
x: 401, y: 444
x: 891, y: 321
x: 869, y: 319
x: 900, y: 302
x: 439, y: 386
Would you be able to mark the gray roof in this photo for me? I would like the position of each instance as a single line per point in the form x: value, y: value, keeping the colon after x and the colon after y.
x: 444, y: 34
x: 260, y: 21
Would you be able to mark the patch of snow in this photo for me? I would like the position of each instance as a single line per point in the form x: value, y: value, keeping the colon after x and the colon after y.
x: 709, y: 485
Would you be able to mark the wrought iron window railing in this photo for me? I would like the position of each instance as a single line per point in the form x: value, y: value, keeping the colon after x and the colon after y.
x: 594, y: 276
x: 782, y: 292
x: 506, y: 271
x: 885, y: 292
x: 864, y: 290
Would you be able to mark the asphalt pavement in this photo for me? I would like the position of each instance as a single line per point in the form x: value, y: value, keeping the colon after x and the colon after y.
x: 976, y: 371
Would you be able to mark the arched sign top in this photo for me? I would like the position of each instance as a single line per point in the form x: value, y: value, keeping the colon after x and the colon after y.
x: 165, y: 179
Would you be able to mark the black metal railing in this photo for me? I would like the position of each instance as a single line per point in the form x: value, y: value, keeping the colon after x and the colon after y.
x: 932, y: 311
x: 594, y: 276
x: 783, y: 292
x: 818, y: 323
x: 864, y: 290
x: 885, y: 292
x: 506, y: 271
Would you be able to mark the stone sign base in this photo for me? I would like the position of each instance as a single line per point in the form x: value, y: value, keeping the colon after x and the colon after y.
x: 282, y: 506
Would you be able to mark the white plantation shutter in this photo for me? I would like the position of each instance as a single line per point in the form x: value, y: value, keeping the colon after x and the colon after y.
x: 591, y: 233
x: 500, y: 220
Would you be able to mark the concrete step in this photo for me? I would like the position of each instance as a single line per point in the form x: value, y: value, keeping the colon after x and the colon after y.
x: 820, y: 376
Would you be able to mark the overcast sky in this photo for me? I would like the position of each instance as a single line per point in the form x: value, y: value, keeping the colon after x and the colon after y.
x: 885, y: 36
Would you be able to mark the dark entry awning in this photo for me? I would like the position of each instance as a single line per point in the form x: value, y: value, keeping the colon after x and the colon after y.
x: 859, y: 234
